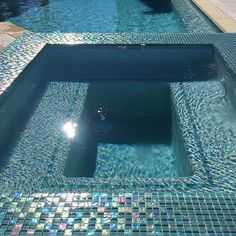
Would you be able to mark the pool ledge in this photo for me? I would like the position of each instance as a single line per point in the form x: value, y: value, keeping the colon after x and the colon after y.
x: 218, y: 16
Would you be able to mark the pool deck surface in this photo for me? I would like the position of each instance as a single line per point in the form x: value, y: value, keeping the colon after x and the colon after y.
x: 8, y: 33
x: 221, y: 12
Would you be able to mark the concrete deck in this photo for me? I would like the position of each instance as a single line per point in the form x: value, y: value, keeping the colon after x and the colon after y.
x: 8, y: 33
x: 221, y: 12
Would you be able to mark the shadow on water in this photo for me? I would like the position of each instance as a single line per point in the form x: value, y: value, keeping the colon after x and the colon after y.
x: 13, y: 8
x: 15, y: 115
x: 157, y: 6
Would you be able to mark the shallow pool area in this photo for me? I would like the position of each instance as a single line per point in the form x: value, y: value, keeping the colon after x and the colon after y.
x: 109, y: 16
x: 39, y: 196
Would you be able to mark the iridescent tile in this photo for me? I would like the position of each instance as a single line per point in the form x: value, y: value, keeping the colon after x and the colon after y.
x: 59, y: 210
x: 87, y: 205
x: 37, y: 195
x: 114, y: 214
x: 62, y: 227
x: 48, y: 226
x: 122, y: 199
x: 40, y: 226
x: 121, y: 209
x: 121, y: 226
x: 22, y: 215
x: 68, y: 232
x: 45, y: 209
x: 115, y: 199
x: 128, y: 209
x: 121, y: 220
x: 101, y: 209
x: 41, y: 204
x: 34, y: 221
x: 53, y: 232
x: 38, y: 215
x: 32, y: 209
x: 76, y: 227
x: 99, y: 220
x: 105, y: 232
x: 74, y: 205
x: 31, y: 232
x: 113, y: 226
x: 12, y: 221
x: 107, y: 220
x: 84, y: 226
x: 80, y: 214
x: 85, y: 220
x: 33, y: 204
x: 98, y: 226
x: 65, y: 215
x: 70, y: 221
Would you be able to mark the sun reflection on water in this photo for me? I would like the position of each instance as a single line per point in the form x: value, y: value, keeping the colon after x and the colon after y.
x: 69, y: 129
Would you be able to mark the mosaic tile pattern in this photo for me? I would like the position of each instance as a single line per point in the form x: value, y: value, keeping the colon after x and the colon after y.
x: 123, y: 214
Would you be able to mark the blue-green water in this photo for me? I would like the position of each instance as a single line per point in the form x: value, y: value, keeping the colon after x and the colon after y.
x: 107, y: 16
x: 100, y: 111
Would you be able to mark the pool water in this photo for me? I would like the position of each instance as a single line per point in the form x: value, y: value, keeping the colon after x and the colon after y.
x: 107, y: 16
x: 101, y: 111
x: 13, y: 8
x: 124, y: 131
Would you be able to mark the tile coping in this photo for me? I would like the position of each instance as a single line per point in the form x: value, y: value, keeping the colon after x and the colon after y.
x: 219, y: 17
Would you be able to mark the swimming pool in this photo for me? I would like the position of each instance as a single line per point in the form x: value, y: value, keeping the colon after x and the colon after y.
x: 109, y: 16
x: 37, y: 198
x: 69, y: 77
x: 104, y: 119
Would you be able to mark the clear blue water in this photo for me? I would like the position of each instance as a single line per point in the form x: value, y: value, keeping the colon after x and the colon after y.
x: 94, y: 111
x: 103, y: 16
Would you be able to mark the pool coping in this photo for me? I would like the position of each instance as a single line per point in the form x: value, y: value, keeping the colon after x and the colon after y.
x: 8, y: 33
x: 219, y: 17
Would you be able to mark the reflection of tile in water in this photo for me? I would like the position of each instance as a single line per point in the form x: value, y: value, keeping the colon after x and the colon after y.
x: 143, y: 161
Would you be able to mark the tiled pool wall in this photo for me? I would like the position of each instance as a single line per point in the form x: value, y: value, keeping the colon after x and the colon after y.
x: 194, y: 20
x: 175, y: 206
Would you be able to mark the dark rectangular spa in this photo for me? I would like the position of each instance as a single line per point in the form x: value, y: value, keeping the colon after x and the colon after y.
x: 127, y: 62
x: 102, y: 111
